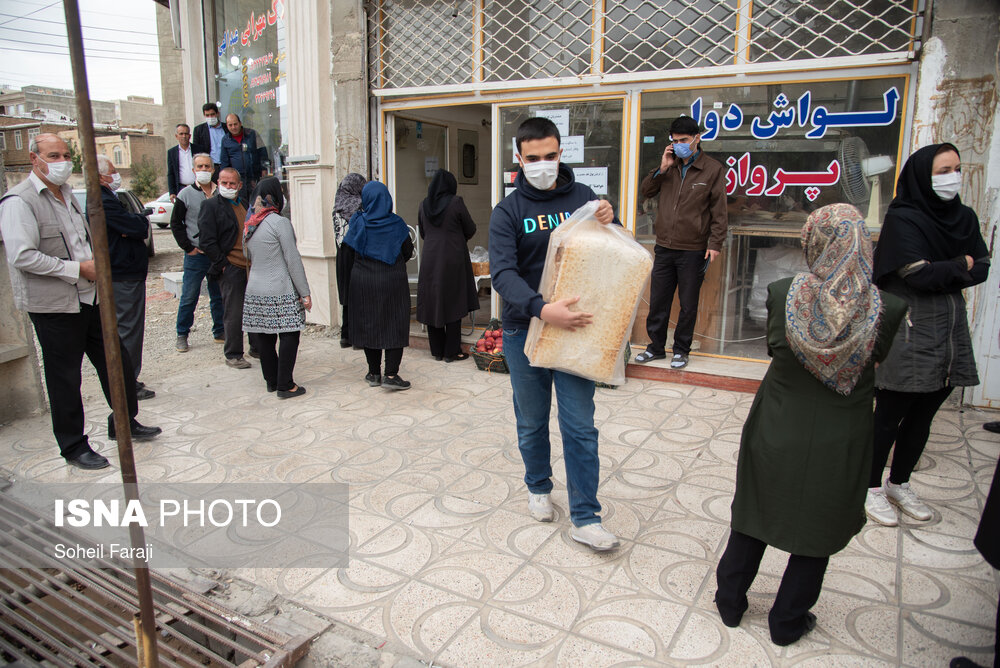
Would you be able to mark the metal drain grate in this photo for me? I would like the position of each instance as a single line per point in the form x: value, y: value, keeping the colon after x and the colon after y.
x: 62, y: 616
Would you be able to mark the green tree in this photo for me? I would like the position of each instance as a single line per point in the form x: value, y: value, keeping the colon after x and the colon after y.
x: 76, y: 157
x: 144, y: 180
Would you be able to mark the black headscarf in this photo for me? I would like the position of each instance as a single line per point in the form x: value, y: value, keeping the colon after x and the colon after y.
x: 439, y: 195
x: 348, y: 198
x: 919, y: 225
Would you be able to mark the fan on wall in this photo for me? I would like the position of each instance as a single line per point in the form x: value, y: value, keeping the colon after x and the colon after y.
x: 860, y: 176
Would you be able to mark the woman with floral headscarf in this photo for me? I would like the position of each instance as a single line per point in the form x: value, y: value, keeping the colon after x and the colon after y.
x: 807, y: 441
x: 277, y: 294
x: 930, y: 249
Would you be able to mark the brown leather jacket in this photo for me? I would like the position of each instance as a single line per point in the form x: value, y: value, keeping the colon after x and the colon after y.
x: 690, y: 215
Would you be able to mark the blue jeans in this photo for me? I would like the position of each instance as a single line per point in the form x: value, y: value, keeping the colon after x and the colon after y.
x: 195, y: 270
x: 532, y: 403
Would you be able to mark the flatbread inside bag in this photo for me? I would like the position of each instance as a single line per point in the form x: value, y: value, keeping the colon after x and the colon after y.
x: 607, y: 269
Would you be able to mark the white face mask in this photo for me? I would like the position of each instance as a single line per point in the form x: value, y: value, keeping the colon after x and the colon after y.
x: 116, y: 181
x: 541, y: 174
x: 213, y: 120
x: 946, y: 186
x: 202, y: 177
x: 228, y: 193
x: 59, y: 172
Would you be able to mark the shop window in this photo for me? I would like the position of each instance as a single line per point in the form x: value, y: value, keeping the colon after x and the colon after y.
x: 590, y: 137
x: 644, y: 35
x: 250, y: 62
x: 787, y: 149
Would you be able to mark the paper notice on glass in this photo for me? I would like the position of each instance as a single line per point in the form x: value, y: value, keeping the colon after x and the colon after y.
x: 558, y: 116
x: 595, y: 177
x: 430, y: 165
x: 572, y: 148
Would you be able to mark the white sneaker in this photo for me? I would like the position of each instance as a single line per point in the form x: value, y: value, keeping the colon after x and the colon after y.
x: 906, y: 499
x: 540, y: 507
x: 595, y: 536
x: 878, y: 508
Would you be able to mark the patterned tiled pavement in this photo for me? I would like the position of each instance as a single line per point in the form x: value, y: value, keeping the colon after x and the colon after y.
x: 446, y: 564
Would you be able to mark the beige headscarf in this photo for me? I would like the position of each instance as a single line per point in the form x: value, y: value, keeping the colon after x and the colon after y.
x: 832, y: 312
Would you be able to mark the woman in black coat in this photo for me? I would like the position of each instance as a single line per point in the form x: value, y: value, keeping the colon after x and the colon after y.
x: 379, y: 298
x: 929, y: 250
x: 446, y: 290
x: 345, y: 205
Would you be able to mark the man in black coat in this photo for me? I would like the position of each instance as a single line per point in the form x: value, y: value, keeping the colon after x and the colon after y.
x: 129, y: 266
x: 207, y: 137
x: 180, y: 161
x: 220, y: 234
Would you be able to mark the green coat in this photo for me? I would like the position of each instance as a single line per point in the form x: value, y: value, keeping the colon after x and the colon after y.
x: 806, y: 451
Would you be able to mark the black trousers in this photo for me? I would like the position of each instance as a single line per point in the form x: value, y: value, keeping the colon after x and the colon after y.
x: 445, y: 341
x: 903, y: 418
x: 276, y: 366
x: 65, y: 338
x: 798, y: 592
x: 233, y: 283
x: 393, y: 357
x: 130, y: 307
x: 681, y: 271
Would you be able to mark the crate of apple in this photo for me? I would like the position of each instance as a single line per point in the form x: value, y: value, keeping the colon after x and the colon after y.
x: 488, y: 351
x: 491, y: 342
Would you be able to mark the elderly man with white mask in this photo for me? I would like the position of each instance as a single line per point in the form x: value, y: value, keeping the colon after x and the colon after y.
x: 47, y: 241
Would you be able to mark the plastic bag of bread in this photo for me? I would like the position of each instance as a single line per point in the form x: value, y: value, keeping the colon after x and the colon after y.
x: 608, y: 270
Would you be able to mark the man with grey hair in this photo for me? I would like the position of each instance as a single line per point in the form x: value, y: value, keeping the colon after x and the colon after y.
x: 129, y: 267
x: 47, y: 241
x: 184, y: 225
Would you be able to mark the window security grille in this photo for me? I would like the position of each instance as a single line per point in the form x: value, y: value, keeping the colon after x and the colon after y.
x: 425, y: 43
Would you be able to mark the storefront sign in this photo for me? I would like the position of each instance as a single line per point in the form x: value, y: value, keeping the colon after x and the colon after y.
x: 558, y: 116
x: 572, y: 148
x: 800, y: 114
x: 256, y: 25
x: 595, y: 177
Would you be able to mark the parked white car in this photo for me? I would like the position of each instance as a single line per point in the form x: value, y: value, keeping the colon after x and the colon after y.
x: 162, y: 208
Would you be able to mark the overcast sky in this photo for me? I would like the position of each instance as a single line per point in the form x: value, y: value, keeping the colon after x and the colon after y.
x: 119, y: 38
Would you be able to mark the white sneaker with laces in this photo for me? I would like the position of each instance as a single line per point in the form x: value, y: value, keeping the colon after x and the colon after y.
x: 594, y: 536
x: 906, y: 499
x: 540, y: 507
x: 878, y: 508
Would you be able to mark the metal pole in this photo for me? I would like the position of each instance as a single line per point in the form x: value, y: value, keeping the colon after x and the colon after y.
x: 109, y: 323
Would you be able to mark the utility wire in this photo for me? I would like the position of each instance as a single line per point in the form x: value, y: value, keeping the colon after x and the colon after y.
x: 60, y: 23
x: 51, y: 53
x: 24, y: 16
x: 61, y: 46
x: 85, y: 39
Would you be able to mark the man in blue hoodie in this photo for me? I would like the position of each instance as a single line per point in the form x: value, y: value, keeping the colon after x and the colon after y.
x: 546, y: 194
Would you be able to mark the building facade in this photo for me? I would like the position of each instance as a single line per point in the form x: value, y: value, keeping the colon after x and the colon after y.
x: 805, y: 103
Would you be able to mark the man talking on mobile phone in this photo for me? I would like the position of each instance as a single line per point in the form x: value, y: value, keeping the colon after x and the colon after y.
x: 690, y: 226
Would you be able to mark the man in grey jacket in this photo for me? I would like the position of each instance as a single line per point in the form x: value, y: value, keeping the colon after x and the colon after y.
x: 48, y: 245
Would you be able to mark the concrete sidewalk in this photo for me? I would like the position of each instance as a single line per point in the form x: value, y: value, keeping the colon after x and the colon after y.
x: 447, y: 565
